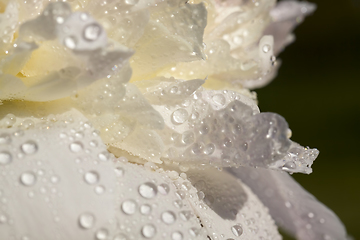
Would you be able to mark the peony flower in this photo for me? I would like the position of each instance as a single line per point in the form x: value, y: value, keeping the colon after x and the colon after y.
x: 136, y: 119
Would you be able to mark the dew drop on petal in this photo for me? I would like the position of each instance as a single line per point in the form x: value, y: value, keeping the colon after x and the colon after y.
x: 120, y: 236
x: 219, y: 99
x: 185, y: 215
x: 92, y: 32
x: 28, y: 179
x: 145, y: 209
x: 99, y: 190
x: 168, y: 217
x: 148, y: 231
x: 102, y: 234
x: 176, y: 236
x: 70, y: 42
x: 237, y: 230
x: 148, y: 190
x: 104, y: 156
x: 119, y: 171
x: 129, y: 207
x: 91, y: 177
x: 163, y: 188
x: 5, y: 138
x: 179, y: 116
x: 5, y: 158
x: 29, y: 147
x: 86, y: 220
x: 266, y: 48
x: 76, y: 147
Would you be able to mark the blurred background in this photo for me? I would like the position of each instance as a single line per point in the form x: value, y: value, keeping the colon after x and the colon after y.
x: 318, y: 92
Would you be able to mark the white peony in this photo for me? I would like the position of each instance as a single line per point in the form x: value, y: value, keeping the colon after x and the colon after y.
x: 135, y: 119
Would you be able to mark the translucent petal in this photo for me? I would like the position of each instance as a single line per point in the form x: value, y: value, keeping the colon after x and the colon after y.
x: 173, y: 34
x: 82, y: 56
x: 286, y: 16
x: 222, y: 129
x: 9, y: 22
x: 226, y: 207
x: 294, y: 209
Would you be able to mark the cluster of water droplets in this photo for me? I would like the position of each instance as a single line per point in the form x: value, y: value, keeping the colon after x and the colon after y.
x: 223, y: 129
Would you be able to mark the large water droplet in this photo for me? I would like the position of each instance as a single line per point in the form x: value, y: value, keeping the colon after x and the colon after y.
x: 209, y: 149
x: 28, y: 179
x: 219, y: 99
x: 91, y: 177
x: 164, y: 188
x: 5, y: 158
x: 29, y: 147
x: 92, y: 32
x: 76, y: 147
x: 185, y: 215
x: 104, y: 156
x: 237, y: 230
x: 145, y: 209
x: 102, y: 234
x: 179, y: 116
x: 176, y: 236
x: 129, y: 207
x: 148, y: 190
x: 148, y: 231
x: 86, y: 220
x: 168, y: 217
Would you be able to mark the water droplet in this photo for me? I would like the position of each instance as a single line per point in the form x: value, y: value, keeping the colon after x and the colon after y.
x: 129, y: 207
x: 119, y: 171
x: 209, y: 149
x: 185, y: 215
x: 179, y: 116
x: 28, y: 179
x: 178, y: 203
x: 163, y: 188
x: 5, y: 158
x: 102, y: 234
x: 176, y: 236
x: 311, y: 215
x: 148, y: 190
x: 60, y: 20
x: 168, y: 217
x: 5, y: 138
x: 148, y: 231
x: 76, y: 147
x: 84, y: 16
x: 194, y: 232
x: 87, y: 220
x: 145, y: 209
x: 266, y: 48
x: 92, y: 32
x: 29, y: 147
x: 187, y: 137
x: 91, y: 177
x: 3, y: 219
x: 219, y: 99
x: 289, y: 165
x: 70, y: 42
x: 104, y: 156
x: 55, y: 179
x: 237, y: 230
x: 99, y: 190
x: 120, y: 237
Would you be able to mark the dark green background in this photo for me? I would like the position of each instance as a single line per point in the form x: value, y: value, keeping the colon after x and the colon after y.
x: 317, y: 91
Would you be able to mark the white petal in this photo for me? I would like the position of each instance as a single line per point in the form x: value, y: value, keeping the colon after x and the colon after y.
x: 294, y: 209
x: 222, y: 129
x: 53, y: 184
x: 286, y: 15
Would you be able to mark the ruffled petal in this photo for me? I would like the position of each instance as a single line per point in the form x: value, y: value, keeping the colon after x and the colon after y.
x: 84, y: 54
x: 295, y: 210
x: 285, y: 17
x: 221, y: 129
